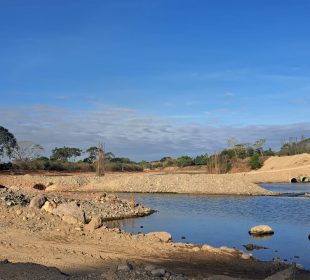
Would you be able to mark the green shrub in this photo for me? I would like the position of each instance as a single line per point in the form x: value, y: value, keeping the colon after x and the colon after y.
x: 255, y: 161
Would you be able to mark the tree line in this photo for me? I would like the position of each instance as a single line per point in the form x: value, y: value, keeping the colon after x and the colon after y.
x: 28, y: 155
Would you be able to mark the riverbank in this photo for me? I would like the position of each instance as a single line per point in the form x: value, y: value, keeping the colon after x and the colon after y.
x: 33, y: 235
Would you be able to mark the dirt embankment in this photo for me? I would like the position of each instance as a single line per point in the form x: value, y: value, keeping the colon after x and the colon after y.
x: 142, y: 182
x: 281, y: 169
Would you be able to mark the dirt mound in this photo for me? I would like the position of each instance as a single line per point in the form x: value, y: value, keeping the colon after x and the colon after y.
x: 285, y: 162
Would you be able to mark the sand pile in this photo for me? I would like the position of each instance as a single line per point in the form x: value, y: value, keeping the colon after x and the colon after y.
x: 276, y: 163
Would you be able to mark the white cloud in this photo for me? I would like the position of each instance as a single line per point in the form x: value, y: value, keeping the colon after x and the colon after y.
x: 127, y: 132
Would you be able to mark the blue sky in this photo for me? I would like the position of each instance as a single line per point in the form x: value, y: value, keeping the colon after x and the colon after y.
x: 153, y: 78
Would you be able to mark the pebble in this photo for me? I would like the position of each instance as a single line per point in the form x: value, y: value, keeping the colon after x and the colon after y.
x: 149, y: 267
x: 124, y: 267
x: 158, y: 272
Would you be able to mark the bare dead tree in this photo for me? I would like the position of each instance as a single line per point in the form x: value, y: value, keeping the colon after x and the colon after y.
x: 100, y: 164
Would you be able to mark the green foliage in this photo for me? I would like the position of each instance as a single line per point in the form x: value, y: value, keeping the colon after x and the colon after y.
x: 129, y: 167
x: 184, y: 161
x: 269, y: 153
x: 121, y: 160
x: 255, y: 162
x: 92, y: 155
x: 63, y: 154
x: 295, y: 148
x: 165, y: 159
x: 7, y: 142
x: 201, y: 160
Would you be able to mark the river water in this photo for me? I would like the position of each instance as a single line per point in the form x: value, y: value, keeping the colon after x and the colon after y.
x: 225, y: 221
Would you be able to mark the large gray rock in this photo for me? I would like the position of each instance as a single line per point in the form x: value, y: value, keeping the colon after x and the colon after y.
x: 38, y: 201
x: 70, y: 212
x: 261, y: 230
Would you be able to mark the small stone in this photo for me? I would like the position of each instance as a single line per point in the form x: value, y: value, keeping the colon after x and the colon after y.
x: 228, y: 250
x: 30, y: 215
x: 48, y: 207
x: 37, y: 202
x: 149, y: 267
x: 196, y: 249
x: 158, y: 272
x: 19, y: 212
x: 96, y: 222
x: 245, y: 256
x: 124, y: 267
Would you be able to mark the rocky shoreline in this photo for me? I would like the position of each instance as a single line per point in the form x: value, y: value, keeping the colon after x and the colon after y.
x: 67, y: 230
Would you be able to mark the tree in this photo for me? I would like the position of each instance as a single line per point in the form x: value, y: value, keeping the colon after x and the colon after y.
x: 201, y: 160
x: 255, y: 162
x: 259, y: 145
x: 232, y: 143
x: 63, y: 154
x: 7, y: 142
x: 184, y: 161
x: 26, y: 150
x: 92, y: 155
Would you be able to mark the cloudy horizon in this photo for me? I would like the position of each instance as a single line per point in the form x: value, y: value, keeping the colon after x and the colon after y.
x: 128, y: 133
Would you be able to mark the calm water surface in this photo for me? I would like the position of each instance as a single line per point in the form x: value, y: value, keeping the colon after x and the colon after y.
x: 225, y: 221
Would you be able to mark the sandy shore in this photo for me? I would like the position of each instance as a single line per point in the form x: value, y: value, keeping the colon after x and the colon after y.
x: 45, y: 240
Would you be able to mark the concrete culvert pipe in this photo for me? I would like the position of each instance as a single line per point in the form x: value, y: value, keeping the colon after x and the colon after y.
x: 304, y: 179
x: 294, y: 180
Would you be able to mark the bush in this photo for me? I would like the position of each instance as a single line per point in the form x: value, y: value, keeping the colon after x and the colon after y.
x: 6, y: 166
x: 255, y: 162
x: 185, y: 161
x: 129, y: 167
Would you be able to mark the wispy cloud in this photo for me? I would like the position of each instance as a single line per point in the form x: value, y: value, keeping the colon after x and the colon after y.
x: 127, y: 132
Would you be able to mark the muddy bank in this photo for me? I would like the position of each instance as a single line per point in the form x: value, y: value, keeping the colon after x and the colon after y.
x: 238, y: 184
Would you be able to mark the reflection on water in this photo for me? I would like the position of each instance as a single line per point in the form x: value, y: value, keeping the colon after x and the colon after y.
x: 225, y: 220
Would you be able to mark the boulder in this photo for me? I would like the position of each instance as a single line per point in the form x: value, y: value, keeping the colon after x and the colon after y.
x: 71, y: 210
x: 96, y: 222
x: 161, y: 235
x: 38, y: 201
x: 261, y: 230
x: 70, y: 220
